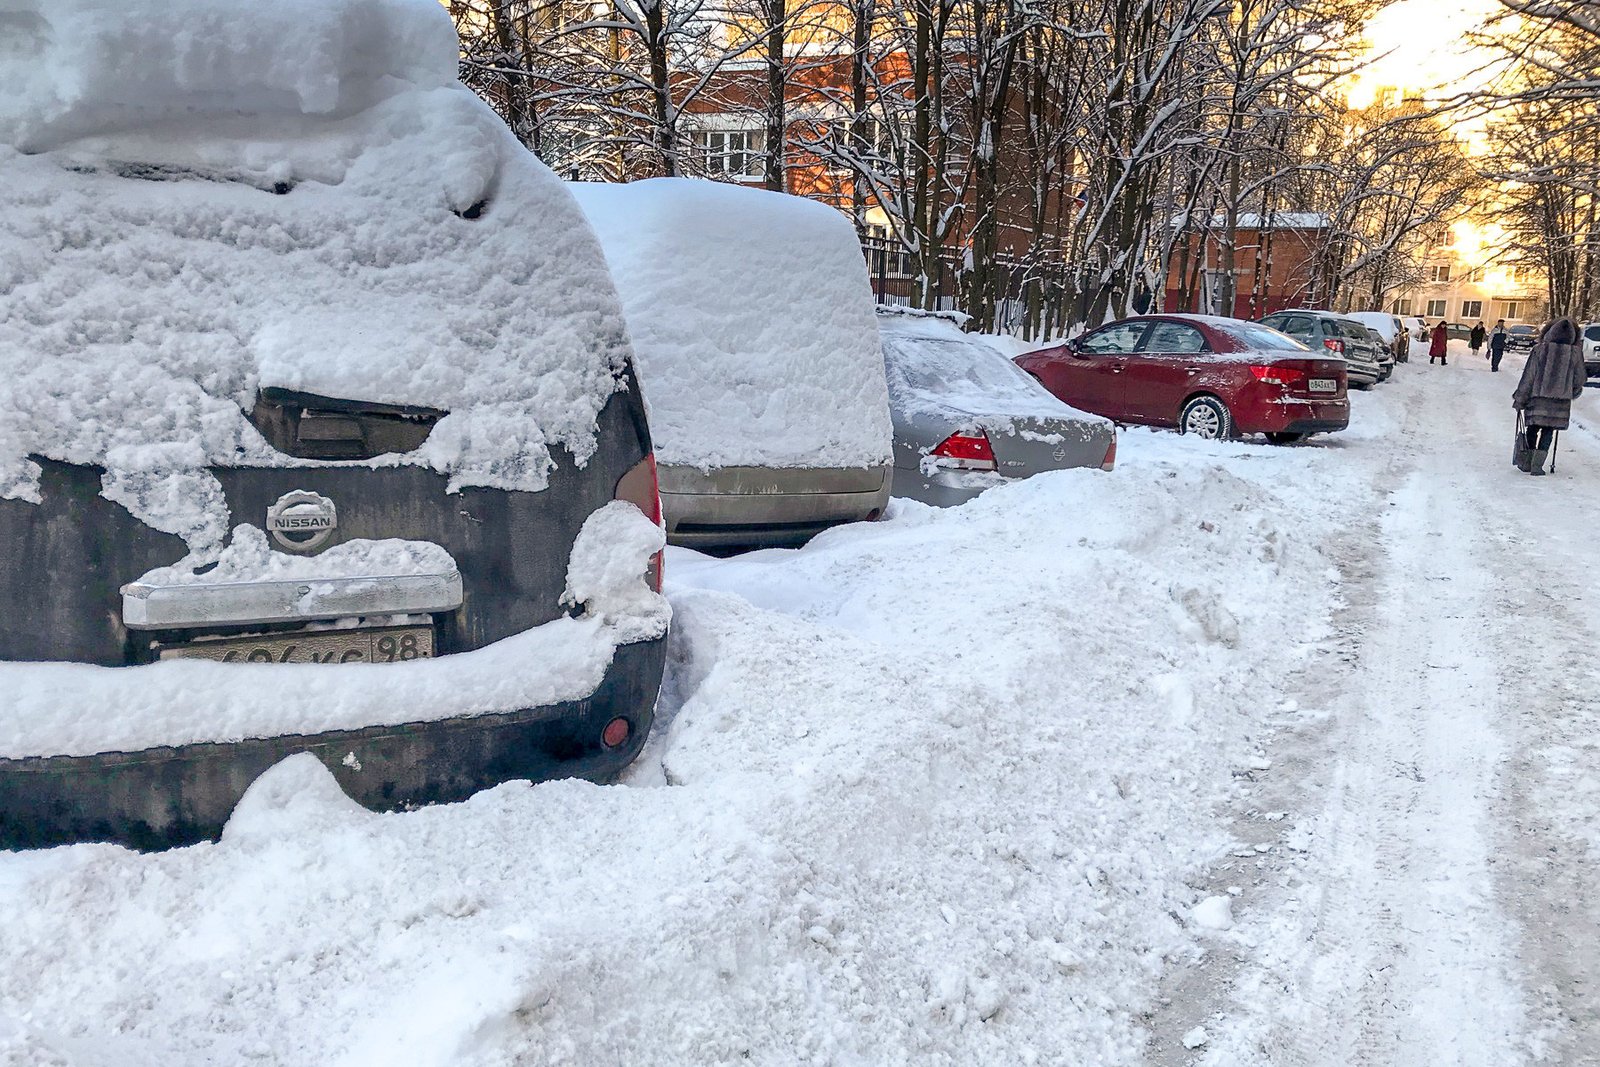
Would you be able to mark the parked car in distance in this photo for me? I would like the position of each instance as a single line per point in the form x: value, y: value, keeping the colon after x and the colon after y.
x: 1457, y: 331
x: 967, y: 419
x: 1390, y: 328
x: 751, y: 315
x: 1520, y: 338
x: 1337, y: 334
x: 1416, y: 329
x: 354, y: 470
x: 1591, y: 348
x: 1212, y: 377
x: 1383, y: 353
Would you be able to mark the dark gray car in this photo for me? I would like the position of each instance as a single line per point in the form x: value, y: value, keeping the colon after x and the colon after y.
x: 1346, y: 337
x: 967, y: 419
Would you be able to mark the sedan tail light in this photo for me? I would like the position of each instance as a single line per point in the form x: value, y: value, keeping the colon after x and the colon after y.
x: 1288, y: 377
x: 963, y: 451
x: 1333, y: 345
x: 641, y: 488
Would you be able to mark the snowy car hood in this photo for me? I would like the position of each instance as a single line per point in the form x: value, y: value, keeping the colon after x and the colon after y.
x: 309, y: 201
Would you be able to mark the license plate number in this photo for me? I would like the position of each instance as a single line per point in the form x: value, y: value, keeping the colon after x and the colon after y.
x: 392, y: 644
x: 1324, y: 385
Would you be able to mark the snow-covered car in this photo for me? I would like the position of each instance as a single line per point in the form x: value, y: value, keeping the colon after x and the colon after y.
x: 1390, y: 329
x: 752, y: 321
x: 967, y: 419
x: 1383, y: 353
x: 318, y: 430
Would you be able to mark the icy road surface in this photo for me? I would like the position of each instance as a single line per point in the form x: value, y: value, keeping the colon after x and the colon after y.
x: 1237, y: 755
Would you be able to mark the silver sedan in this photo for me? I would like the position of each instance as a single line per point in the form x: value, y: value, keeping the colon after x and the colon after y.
x: 967, y: 419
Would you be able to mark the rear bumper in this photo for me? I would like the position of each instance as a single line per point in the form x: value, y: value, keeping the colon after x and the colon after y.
x: 754, y: 506
x: 944, y: 489
x: 165, y: 797
x: 1302, y: 417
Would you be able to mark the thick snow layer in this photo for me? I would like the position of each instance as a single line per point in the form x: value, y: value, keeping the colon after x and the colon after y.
x: 935, y: 790
x: 66, y: 709
x: 250, y: 558
x: 752, y: 321
x: 936, y: 369
x: 166, y: 249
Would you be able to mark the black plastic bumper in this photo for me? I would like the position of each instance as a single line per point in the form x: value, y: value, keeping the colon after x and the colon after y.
x: 164, y: 797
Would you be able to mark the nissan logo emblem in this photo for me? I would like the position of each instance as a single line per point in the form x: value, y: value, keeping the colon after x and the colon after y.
x: 302, y: 521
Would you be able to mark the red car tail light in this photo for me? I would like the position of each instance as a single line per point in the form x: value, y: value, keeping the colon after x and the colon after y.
x: 641, y: 488
x: 964, y: 451
x: 1288, y: 377
x: 616, y: 733
x: 1333, y: 345
x: 1111, y: 453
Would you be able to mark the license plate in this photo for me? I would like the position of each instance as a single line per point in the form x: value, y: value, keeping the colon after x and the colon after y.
x: 392, y: 644
x: 1324, y: 385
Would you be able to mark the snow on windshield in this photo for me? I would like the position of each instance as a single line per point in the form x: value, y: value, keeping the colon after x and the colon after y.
x: 751, y: 316
x: 200, y: 199
x: 935, y: 368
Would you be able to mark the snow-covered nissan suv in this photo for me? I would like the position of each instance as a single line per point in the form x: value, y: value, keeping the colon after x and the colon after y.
x: 318, y: 431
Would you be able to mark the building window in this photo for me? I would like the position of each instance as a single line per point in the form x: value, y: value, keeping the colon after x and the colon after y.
x: 1402, y: 306
x: 1513, y: 274
x: 1472, y: 309
x: 1513, y: 309
x: 1439, y: 272
x: 1435, y: 309
x: 732, y: 153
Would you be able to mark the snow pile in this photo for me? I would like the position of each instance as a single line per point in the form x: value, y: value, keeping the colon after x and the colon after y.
x: 249, y: 558
x: 87, y: 65
x: 62, y: 708
x: 752, y: 320
x: 938, y: 789
x: 345, y: 220
x: 935, y: 369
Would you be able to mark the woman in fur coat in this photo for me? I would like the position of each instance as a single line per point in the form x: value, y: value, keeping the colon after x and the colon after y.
x: 1551, y: 380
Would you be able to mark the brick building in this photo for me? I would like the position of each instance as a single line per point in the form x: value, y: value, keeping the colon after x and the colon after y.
x: 1275, y: 266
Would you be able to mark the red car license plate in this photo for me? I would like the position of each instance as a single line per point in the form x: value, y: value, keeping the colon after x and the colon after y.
x: 1324, y: 385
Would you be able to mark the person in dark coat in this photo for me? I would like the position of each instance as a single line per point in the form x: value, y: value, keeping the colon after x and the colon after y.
x: 1497, y: 344
x: 1437, y: 345
x: 1551, y: 380
x: 1476, y: 338
x: 1141, y: 299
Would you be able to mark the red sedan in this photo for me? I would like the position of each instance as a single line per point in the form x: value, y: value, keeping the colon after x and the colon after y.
x: 1211, y: 377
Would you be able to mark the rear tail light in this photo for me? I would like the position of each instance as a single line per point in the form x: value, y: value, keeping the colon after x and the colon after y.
x: 963, y: 451
x: 1111, y: 453
x: 641, y: 488
x: 1333, y: 345
x: 616, y: 733
x: 1287, y: 377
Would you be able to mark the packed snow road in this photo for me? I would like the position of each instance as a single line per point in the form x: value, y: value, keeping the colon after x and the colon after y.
x: 1233, y: 755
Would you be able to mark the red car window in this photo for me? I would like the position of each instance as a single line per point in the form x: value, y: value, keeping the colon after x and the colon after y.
x: 1173, y: 337
x: 1119, y: 338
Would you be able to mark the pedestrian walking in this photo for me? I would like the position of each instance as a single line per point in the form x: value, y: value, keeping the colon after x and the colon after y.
x: 1551, y: 380
x: 1438, y: 345
x: 1497, y: 344
x: 1476, y: 338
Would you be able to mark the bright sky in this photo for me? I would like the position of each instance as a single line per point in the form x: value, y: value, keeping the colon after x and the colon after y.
x: 1422, y: 44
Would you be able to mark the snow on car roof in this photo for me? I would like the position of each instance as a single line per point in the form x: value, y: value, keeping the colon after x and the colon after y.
x: 752, y: 319
x: 202, y: 198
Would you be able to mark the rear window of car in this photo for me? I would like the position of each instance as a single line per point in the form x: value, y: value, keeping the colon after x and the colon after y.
x: 1592, y: 332
x: 1262, y: 338
x: 941, y: 366
x: 1353, y: 330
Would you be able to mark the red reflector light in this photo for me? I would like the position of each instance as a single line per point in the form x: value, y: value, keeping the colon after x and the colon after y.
x: 966, y: 451
x: 616, y: 733
x: 641, y: 488
x: 1111, y: 453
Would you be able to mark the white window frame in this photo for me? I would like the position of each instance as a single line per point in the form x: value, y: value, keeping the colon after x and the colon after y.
x: 732, y: 153
x: 1472, y: 309
x: 1436, y: 309
x: 1439, y: 272
x: 1513, y: 309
